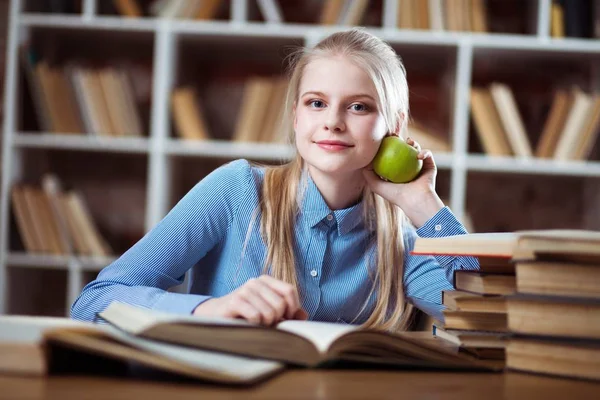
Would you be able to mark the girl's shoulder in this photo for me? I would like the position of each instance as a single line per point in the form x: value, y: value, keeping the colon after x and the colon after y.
x: 241, y: 172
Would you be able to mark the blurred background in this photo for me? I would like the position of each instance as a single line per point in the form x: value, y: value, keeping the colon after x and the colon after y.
x: 114, y: 109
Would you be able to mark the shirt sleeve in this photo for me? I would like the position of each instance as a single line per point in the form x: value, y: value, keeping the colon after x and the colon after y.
x: 159, y: 261
x: 425, y: 277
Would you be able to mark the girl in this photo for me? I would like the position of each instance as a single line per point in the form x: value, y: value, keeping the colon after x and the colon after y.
x: 319, y: 238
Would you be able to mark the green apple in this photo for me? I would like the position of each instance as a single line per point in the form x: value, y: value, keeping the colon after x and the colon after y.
x: 396, y: 161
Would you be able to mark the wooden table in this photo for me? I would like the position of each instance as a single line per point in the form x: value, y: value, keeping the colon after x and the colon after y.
x: 310, y: 384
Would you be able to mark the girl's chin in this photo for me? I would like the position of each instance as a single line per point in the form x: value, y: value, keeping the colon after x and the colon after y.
x: 338, y: 169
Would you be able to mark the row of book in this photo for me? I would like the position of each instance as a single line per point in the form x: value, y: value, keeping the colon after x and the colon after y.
x: 575, y: 18
x: 78, y: 99
x: 53, y: 221
x: 440, y: 15
x: 189, y: 9
x: 569, y: 133
x: 259, y: 116
x: 464, y: 15
x: 535, y: 301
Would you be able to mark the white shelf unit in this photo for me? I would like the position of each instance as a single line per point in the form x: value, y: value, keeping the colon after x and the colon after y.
x: 162, y: 151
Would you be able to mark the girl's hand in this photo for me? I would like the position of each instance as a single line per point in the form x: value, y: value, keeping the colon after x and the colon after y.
x: 264, y: 300
x: 417, y: 198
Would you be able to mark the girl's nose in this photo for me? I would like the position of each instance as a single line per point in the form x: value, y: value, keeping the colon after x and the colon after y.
x: 335, y: 122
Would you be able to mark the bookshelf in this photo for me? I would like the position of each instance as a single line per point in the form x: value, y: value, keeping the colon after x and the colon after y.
x: 149, y: 174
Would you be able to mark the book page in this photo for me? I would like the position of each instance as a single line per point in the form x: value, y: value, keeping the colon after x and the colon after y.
x: 136, y: 319
x: 222, y: 363
x: 321, y: 334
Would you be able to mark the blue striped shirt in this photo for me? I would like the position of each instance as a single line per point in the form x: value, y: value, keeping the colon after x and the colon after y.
x: 207, y: 229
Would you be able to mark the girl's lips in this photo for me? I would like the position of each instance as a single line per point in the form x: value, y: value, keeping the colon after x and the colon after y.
x: 333, y: 146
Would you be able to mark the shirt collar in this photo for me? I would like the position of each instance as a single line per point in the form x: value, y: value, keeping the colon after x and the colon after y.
x: 315, y: 210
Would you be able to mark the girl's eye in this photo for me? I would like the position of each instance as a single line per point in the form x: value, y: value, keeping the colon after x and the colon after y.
x: 316, y: 103
x: 359, y: 107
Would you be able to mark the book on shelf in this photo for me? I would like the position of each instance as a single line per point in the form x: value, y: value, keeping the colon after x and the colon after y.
x: 498, y: 122
x: 40, y: 346
x: 343, y: 12
x: 261, y: 110
x: 441, y: 15
x: 52, y: 221
x: 580, y: 127
x: 128, y: 8
x: 559, y: 110
x: 270, y: 10
x: 427, y: 139
x: 302, y: 343
x: 510, y: 117
x: 76, y: 99
x: 188, y: 114
x: 488, y: 126
x: 172, y: 9
x: 570, y: 130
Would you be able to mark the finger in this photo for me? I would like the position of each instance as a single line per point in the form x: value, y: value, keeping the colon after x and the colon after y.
x: 275, y: 300
x: 375, y: 183
x: 289, y: 293
x: 243, y: 309
x: 301, y: 315
x: 423, y: 154
x: 428, y: 161
x: 416, y: 145
x: 252, y: 295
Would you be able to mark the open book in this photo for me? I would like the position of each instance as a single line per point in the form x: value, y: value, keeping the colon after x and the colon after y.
x: 520, y: 245
x: 40, y: 346
x: 304, y: 343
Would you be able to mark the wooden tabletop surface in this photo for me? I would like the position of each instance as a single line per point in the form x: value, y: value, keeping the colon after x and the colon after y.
x: 309, y: 384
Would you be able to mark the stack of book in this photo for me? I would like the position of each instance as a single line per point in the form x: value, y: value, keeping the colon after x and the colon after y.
x: 475, y: 317
x: 553, y: 315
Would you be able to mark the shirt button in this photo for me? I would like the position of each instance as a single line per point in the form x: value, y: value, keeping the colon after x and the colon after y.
x: 313, y: 273
x: 438, y: 227
x: 329, y: 217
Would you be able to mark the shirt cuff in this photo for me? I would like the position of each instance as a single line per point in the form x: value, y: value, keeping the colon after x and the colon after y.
x: 179, y: 303
x: 442, y: 224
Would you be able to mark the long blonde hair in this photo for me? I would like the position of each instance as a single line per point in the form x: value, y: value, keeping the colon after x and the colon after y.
x: 281, y: 199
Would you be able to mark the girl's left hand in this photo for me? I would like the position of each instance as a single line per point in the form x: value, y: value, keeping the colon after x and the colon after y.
x: 417, y: 198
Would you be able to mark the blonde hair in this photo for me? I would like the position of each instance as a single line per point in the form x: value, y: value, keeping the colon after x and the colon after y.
x: 281, y: 199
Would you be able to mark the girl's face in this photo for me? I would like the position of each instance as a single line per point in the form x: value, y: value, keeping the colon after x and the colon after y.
x: 337, y: 122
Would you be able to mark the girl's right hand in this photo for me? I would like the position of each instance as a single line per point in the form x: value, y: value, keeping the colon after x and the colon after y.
x: 264, y: 300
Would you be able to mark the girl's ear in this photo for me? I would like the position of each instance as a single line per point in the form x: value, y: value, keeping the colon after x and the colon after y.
x: 399, y: 124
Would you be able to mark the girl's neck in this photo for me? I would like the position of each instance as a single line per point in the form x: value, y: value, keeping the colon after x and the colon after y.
x: 338, y: 191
